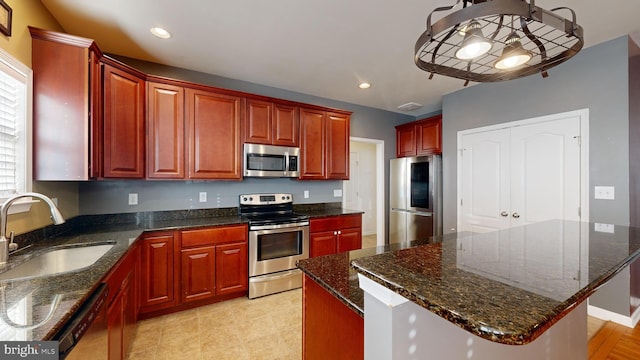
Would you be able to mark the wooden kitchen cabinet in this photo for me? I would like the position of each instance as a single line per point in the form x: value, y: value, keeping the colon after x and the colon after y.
x: 335, y: 234
x: 157, y: 288
x: 270, y: 123
x: 418, y: 138
x: 122, y: 302
x: 324, y: 145
x: 214, y: 143
x: 67, y: 115
x: 214, y: 262
x: 123, y: 123
x: 165, y: 127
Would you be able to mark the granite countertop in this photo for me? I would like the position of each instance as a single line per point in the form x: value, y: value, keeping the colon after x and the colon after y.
x: 25, y: 303
x: 507, y: 286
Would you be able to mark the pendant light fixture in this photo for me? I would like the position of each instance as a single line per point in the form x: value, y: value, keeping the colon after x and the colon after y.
x: 473, y: 40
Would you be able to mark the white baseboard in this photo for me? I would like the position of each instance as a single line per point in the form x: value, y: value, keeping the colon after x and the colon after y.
x: 602, y: 314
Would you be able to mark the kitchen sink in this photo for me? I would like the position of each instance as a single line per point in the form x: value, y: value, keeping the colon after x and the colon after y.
x: 57, y: 261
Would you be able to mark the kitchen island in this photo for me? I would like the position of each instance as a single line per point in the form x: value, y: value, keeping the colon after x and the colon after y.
x: 517, y: 293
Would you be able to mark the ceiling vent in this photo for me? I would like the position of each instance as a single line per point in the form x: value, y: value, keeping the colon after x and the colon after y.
x: 410, y: 106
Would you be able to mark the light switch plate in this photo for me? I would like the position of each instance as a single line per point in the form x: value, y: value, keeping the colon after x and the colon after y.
x: 605, y: 228
x: 604, y: 192
x: 306, y: 194
x: 133, y: 199
x: 203, y: 196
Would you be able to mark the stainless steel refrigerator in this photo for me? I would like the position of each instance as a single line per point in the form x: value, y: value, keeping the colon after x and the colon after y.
x: 415, y: 198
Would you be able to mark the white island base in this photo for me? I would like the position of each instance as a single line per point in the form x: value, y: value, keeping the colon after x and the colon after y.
x: 397, y: 328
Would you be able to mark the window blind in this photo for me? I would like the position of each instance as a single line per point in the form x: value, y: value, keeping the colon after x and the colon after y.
x: 11, y: 111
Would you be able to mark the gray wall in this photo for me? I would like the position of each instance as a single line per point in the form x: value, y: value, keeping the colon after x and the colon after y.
x: 596, y: 78
x: 104, y: 197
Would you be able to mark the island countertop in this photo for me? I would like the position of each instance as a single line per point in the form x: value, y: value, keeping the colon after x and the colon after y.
x: 507, y: 286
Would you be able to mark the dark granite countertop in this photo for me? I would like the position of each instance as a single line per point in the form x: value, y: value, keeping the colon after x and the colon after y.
x: 507, y: 286
x: 25, y: 303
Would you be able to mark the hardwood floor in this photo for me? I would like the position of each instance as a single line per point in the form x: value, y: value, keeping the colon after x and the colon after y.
x: 614, y: 341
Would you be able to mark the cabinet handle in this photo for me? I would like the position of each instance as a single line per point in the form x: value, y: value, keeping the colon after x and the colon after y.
x: 504, y: 213
x: 335, y: 233
x: 339, y: 232
x: 516, y: 215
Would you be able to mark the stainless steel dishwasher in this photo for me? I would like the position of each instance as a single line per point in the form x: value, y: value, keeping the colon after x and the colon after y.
x: 85, y: 335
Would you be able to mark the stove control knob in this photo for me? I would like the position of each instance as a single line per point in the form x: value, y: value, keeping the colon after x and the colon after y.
x: 288, y: 197
x: 283, y: 197
x: 244, y: 198
x: 251, y: 198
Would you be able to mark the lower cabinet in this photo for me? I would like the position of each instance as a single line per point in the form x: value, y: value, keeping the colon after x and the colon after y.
x: 214, y: 262
x: 157, y: 288
x: 335, y: 234
x: 122, y: 312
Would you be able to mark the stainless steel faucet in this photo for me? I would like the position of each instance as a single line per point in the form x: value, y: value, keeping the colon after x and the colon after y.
x: 4, y: 211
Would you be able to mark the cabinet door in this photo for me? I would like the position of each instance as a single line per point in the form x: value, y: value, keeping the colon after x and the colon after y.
x: 115, y: 326
x: 322, y: 243
x: 231, y: 268
x: 349, y: 239
x: 285, y: 125
x: 428, y: 137
x: 257, y: 122
x: 214, y: 135
x: 123, y: 124
x: 337, y: 157
x: 312, y: 144
x: 156, y: 278
x: 165, y: 126
x: 198, y: 273
x: 405, y: 140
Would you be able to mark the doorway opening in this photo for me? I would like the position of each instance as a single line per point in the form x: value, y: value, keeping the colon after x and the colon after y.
x: 364, y: 190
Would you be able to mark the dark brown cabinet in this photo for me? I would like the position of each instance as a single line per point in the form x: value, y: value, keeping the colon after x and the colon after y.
x: 423, y: 137
x: 122, y: 305
x: 270, y: 123
x: 157, y: 288
x: 324, y: 145
x: 165, y: 125
x: 335, y: 234
x: 123, y: 124
x: 213, y: 123
x: 214, y: 262
x: 94, y: 105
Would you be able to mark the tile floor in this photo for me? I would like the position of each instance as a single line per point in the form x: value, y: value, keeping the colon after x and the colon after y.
x: 265, y: 328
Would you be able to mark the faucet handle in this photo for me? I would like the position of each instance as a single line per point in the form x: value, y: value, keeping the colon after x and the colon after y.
x: 12, y: 246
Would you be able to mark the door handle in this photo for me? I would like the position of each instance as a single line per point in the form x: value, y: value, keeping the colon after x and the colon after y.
x: 504, y: 213
x: 516, y: 215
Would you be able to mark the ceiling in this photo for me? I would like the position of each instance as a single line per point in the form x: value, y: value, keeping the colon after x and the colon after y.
x: 317, y: 47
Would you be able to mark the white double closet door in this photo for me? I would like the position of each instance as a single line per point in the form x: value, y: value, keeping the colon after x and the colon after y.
x: 524, y: 172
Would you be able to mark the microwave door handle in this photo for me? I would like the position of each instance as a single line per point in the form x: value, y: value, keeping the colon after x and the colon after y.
x: 286, y: 163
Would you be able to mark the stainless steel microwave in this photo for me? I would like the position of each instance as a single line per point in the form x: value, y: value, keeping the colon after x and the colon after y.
x: 270, y: 161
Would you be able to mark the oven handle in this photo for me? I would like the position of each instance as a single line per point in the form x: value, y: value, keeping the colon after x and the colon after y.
x: 271, y: 277
x: 281, y: 226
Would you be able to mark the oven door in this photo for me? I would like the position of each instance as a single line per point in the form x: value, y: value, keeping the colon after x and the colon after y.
x: 277, y: 249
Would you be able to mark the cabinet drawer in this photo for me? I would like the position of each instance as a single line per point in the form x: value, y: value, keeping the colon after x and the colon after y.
x: 335, y: 223
x: 211, y: 236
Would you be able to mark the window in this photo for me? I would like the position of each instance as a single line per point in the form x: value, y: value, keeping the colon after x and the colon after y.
x: 15, y: 118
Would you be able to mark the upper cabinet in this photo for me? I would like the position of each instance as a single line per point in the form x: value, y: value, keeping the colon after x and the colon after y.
x: 123, y: 123
x: 270, y: 123
x: 88, y: 111
x: 213, y: 123
x: 324, y: 145
x: 423, y: 137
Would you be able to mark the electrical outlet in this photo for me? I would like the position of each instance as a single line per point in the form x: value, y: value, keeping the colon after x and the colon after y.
x: 604, y: 192
x: 133, y: 199
x: 337, y: 193
x: 203, y: 196
x: 605, y: 228
x: 306, y: 194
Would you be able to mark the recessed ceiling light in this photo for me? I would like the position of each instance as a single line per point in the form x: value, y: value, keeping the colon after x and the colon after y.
x: 160, y: 32
x: 364, y: 85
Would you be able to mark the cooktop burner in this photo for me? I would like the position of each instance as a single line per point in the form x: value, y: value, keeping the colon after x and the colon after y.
x: 269, y: 209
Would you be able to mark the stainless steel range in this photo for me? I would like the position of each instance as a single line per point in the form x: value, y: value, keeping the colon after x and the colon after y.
x: 278, y: 238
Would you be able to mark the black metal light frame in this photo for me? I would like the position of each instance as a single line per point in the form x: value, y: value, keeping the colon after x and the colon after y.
x: 549, y: 37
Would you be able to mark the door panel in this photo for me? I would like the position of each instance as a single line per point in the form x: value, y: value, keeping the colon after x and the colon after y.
x: 485, y: 181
